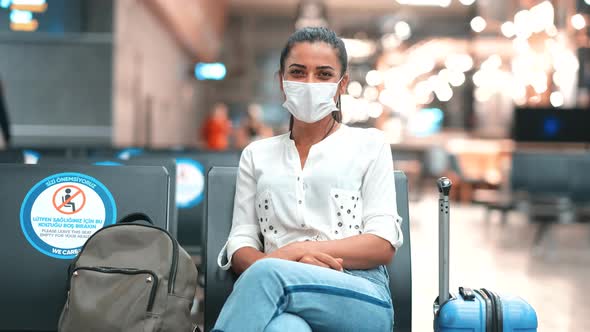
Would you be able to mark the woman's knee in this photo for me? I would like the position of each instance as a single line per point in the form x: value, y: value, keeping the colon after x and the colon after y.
x: 263, y: 269
x: 266, y: 266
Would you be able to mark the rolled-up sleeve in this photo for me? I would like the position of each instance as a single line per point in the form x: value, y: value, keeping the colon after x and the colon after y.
x: 245, y: 231
x: 380, y: 215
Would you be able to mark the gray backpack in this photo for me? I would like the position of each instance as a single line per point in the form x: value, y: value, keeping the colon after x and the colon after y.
x: 128, y: 277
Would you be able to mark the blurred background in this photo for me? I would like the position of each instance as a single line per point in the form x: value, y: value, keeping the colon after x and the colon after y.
x: 492, y: 93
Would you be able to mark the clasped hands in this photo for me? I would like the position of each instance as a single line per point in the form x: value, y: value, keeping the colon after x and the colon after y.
x: 304, y: 252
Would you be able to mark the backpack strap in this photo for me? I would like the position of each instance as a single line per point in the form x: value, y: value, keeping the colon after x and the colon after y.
x: 136, y: 216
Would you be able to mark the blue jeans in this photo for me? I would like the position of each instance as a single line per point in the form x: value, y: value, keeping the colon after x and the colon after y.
x: 280, y: 295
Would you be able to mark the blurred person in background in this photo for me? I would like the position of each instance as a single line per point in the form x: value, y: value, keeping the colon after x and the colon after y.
x: 4, y: 124
x: 217, y: 128
x: 252, y: 128
x: 315, y: 218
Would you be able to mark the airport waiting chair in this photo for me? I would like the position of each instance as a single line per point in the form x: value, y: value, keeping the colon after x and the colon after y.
x: 580, y: 186
x: 57, y: 152
x: 11, y: 157
x: 191, y: 214
x: 168, y: 163
x: 546, y: 174
x: 219, y: 283
x: 191, y: 219
x: 579, y: 180
x: 544, y: 178
x: 33, y: 282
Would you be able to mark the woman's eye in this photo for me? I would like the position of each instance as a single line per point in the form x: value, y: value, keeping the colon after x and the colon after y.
x: 326, y: 75
x: 296, y: 72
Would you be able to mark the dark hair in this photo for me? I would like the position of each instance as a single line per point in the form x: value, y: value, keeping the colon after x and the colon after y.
x: 314, y: 35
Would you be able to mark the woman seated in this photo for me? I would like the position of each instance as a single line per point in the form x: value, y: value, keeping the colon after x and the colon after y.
x: 315, y: 217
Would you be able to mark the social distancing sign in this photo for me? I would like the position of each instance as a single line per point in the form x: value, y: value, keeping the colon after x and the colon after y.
x: 62, y: 211
x: 190, y: 183
x: 66, y: 198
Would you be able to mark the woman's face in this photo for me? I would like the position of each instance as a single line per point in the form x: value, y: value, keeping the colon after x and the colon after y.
x: 314, y: 63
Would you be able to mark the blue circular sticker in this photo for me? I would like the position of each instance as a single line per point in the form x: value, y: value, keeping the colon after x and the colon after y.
x: 190, y: 183
x: 62, y: 211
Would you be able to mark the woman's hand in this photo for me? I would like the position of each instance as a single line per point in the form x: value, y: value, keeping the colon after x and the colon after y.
x: 304, y: 252
x: 291, y: 252
x: 323, y: 260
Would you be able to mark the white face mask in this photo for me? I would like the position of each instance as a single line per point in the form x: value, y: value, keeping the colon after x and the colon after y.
x: 310, y: 102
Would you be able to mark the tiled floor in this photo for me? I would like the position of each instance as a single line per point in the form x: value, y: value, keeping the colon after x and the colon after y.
x: 552, y: 277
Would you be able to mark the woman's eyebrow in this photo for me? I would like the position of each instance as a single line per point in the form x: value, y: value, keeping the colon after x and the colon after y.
x: 324, y: 67
x: 297, y: 65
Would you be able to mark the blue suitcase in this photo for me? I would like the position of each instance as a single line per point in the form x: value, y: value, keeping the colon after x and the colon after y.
x: 478, y: 310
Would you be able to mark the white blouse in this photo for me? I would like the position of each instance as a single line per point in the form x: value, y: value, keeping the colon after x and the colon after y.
x: 345, y: 188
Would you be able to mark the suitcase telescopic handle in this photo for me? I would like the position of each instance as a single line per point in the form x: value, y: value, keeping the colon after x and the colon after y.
x: 444, y: 188
x: 444, y: 185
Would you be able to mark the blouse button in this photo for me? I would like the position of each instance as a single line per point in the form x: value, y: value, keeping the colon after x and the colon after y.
x: 302, y: 225
x: 339, y: 214
x: 348, y: 211
x: 340, y: 224
x: 336, y: 232
x: 336, y: 195
x: 300, y: 202
x: 271, y: 228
